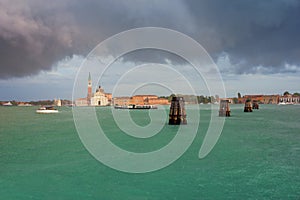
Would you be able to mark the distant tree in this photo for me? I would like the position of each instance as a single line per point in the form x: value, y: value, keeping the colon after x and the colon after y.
x: 286, y: 93
x: 209, y: 99
x: 239, y: 95
x: 14, y: 103
x: 42, y: 102
x: 205, y: 100
x: 171, y: 96
x: 164, y: 97
x: 200, y: 99
x: 296, y: 94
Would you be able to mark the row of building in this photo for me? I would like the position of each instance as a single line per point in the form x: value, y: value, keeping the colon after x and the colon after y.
x: 140, y: 100
x: 268, y: 99
x: 100, y: 98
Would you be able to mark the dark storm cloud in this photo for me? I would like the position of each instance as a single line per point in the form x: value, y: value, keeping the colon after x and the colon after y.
x: 252, y: 32
x: 36, y: 34
x: 33, y: 36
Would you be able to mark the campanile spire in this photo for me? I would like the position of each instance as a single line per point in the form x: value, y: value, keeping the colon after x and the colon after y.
x: 89, y: 94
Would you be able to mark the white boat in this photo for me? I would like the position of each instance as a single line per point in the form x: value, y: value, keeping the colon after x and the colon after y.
x: 121, y: 107
x: 143, y: 107
x: 7, y: 104
x: 138, y: 107
x: 46, y: 110
x: 285, y: 103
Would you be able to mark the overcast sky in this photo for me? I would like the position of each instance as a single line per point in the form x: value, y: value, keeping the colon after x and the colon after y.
x: 255, y: 44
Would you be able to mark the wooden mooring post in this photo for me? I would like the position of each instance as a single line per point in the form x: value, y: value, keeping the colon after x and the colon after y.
x: 224, y: 108
x: 248, y: 106
x: 177, y: 113
x: 255, y: 105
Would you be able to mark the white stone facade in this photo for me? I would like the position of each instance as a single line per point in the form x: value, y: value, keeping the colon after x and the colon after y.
x: 99, y: 98
x: 289, y: 99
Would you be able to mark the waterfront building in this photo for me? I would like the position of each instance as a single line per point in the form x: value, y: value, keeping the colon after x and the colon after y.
x: 99, y: 98
x: 148, y: 100
x: 109, y: 98
x: 260, y: 98
x: 24, y: 104
x: 158, y: 101
x: 271, y: 99
x: 139, y: 100
x: 57, y: 102
x: 289, y: 99
x: 121, y: 101
x: 81, y: 102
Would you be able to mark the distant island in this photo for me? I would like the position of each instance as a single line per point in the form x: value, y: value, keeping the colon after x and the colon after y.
x: 101, y: 98
x: 287, y: 98
x: 55, y: 102
x: 150, y: 99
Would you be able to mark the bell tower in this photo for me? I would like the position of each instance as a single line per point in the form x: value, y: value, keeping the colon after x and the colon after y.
x: 89, y: 93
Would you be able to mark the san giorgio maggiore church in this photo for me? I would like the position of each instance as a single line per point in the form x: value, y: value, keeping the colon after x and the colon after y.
x: 99, y: 98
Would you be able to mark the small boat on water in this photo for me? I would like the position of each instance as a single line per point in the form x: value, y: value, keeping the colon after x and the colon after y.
x: 285, y: 103
x: 143, y: 107
x: 121, y: 107
x: 46, y: 110
x: 7, y: 104
x: 139, y: 107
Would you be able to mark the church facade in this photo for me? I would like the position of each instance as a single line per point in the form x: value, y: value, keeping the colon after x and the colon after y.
x: 99, y: 98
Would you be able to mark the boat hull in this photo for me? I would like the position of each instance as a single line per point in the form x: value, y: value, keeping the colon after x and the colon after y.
x: 136, y: 107
x: 46, y: 111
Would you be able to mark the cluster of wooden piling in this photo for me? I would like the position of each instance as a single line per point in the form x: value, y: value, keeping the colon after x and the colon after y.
x: 255, y: 104
x: 224, y: 108
x: 177, y: 113
x: 248, y: 106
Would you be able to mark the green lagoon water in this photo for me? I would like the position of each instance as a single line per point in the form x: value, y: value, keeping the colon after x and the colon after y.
x: 256, y: 157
